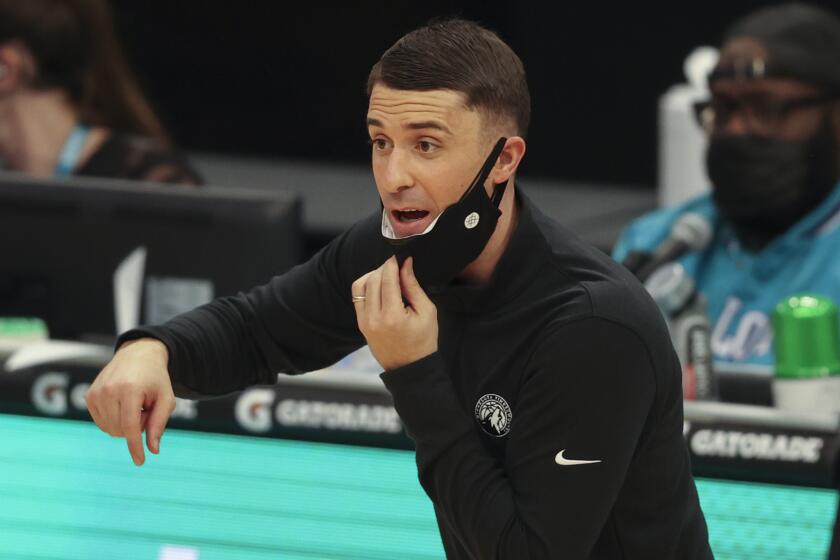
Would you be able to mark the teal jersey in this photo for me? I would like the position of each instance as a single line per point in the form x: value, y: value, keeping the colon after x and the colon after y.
x: 742, y: 287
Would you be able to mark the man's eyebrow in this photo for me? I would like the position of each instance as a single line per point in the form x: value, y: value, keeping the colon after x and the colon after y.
x: 435, y: 125
x: 428, y: 124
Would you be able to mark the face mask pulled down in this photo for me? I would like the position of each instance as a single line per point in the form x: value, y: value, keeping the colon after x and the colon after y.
x: 456, y: 237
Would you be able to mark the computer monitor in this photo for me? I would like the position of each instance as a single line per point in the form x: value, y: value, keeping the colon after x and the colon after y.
x: 62, y: 241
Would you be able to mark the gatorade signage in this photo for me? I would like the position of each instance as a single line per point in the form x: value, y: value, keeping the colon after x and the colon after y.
x: 293, y: 411
x: 758, y: 453
x: 723, y: 448
x: 750, y: 446
x: 256, y: 412
x: 55, y: 393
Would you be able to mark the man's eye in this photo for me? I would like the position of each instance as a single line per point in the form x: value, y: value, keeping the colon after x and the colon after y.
x: 379, y: 144
x: 766, y: 110
x: 425, y: 146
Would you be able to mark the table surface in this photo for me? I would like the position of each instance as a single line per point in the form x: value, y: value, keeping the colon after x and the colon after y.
x: 71, y: 492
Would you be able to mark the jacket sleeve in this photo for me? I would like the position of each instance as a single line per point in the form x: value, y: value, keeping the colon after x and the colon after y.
x: 588, y: 392
x: 299, y: 321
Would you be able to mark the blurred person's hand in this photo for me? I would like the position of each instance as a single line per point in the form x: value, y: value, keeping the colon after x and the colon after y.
x: 133, y: 394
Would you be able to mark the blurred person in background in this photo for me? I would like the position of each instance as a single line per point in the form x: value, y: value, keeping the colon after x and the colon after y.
x: 773, y: 122
x: 69, y: 104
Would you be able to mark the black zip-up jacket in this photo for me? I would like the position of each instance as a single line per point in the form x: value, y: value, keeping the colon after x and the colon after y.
x: 548, y: 424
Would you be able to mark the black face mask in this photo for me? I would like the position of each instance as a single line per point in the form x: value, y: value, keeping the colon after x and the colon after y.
x: 764, y: 185
x: 458, y: 235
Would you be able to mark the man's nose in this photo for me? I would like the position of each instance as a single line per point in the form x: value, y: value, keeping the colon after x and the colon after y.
x: 398, y: 175
x: 736, y: 124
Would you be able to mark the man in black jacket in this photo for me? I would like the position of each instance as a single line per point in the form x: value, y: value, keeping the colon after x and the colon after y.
x: 535, y: 376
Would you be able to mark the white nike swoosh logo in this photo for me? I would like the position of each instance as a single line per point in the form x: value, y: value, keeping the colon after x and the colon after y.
x: 560, y: 460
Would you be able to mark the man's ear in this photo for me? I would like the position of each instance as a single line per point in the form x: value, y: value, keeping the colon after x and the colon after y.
x: 509, y: 159
x: 17, y: 67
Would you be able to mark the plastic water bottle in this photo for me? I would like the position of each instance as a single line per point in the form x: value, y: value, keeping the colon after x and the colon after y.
x: 691, y: 332
x: 682, y: 142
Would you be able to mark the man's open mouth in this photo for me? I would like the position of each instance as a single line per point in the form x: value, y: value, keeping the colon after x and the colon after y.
x: 409, y: 216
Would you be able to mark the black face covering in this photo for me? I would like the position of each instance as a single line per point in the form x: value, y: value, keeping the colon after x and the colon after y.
x: 765, y: 185
x: 460, y: 233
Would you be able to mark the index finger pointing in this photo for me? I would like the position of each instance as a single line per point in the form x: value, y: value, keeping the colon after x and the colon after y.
x: 130, y: 411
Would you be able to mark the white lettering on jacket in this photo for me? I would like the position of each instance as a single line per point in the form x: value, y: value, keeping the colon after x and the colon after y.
x: 752, y: 337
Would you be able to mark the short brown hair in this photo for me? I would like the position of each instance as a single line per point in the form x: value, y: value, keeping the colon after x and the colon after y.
x: 461, y: 56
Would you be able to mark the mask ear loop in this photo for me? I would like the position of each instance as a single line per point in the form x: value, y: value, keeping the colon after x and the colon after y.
x: 485, y: 170
x: 499, y: 188
x: 499, y: 192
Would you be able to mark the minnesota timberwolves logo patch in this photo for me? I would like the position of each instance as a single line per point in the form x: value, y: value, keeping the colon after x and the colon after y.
x: 493, y: 413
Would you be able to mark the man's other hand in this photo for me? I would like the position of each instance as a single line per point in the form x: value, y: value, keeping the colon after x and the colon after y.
x: 133, y: 394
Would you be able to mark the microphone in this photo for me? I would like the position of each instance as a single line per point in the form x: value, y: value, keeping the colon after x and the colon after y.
x: 691, y: 232
x: 636, y: 259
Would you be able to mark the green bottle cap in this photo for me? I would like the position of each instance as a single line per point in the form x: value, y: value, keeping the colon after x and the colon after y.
x: 806, y: 339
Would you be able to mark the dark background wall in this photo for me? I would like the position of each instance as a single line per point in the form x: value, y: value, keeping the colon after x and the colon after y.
x: 283, y: 79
